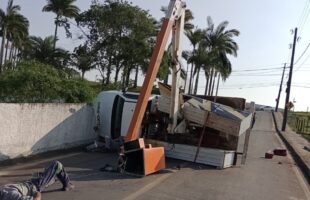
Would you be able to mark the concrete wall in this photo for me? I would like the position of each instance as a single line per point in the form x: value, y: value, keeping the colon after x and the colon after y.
x: 27, y: 129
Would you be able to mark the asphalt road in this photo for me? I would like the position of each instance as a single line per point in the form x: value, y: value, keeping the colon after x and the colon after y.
x: 259, y: 179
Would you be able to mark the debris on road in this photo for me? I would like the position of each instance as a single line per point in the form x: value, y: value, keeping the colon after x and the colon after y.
x: 269, y: 154
x: 280, y: 152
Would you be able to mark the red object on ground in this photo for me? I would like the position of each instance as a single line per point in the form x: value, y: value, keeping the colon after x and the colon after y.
x: 280, y: 152
x: 269, y: 155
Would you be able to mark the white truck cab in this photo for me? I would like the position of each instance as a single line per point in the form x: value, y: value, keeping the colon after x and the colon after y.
x: 114, y: 112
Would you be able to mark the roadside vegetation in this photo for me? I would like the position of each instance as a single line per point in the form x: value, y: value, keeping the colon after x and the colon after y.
x: 300, y: 123
x: 117, y: 39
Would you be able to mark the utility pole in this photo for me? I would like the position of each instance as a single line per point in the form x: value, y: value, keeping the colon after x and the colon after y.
x: 280, y: 89
x: 289, y: 82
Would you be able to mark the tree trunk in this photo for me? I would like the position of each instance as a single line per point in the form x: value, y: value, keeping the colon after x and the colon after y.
x: 211, y: 80
x: 83, y: 74
x: 136, y: 77
x: 15, y: 56
x: 2, y: 48
x: 128, y: 76
x: 117, y: 69
x: 207, y: 85
x: 116, y: 74
x: 18, y: 57
x: 108, y: 72
x: 6, y: 50
x: 191, y: 79
x: 11, y: 53
x: 197, y: 80
x: 192, y: 72
x: 186, y: 77
x: 213, y: 84
x: 217, y: 87
x: 56, y: 28
x: 123, y: 79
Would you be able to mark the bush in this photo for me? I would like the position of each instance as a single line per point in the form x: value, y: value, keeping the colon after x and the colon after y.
x: 34, y: 82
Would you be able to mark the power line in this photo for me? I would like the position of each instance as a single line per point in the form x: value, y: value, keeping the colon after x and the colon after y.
x: 262, y: 86
x: 304, y: 16
x: 251, y: 84
x: 299, y: 86
x: 303, y: 53
x: 262, y: 66
x: 255, y: 75
x: 298, y: 68
x: 303, y: 13
x: 302, y: 26
x: 258, y: 72
x: 261, y: 69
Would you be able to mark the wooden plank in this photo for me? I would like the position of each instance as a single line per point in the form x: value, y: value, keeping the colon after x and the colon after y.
x: 215, y: 121
x: 164, y: 104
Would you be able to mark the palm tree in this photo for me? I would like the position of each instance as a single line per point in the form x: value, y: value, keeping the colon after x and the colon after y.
x: 43, y: 51
x: 12, y: 24
x: 195, y: 37
x: 224, y: 70
x: 201, y: 58
x: 220, y: 42
x: 186, y: 55
x: 63, y: 9
x: 17, y: 31
x: 83, y: 59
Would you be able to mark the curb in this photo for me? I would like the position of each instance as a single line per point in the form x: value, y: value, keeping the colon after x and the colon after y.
x: 299, y: 161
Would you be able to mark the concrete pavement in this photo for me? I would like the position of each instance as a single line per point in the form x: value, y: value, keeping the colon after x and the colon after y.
x: 259, y: 179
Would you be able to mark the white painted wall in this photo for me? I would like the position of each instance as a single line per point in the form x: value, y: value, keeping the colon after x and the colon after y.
x: 27, y: 129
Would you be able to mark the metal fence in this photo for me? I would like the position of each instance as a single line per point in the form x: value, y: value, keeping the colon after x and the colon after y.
x: 302, y: 125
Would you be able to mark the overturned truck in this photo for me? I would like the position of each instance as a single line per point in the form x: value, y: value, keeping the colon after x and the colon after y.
x: 207, y: 132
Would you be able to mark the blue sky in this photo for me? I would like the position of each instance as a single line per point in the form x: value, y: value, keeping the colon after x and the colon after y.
x: 264, y: 42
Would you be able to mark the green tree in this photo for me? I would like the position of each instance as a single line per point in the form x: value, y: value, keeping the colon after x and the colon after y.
x: 221, y: 43
x: 43, y: 51
x: 83, y: 59
x: 195, y: 37
x: 121, y: 37
x: 14, y: 26
x: 63, y: 9
x: 200, y: 58
x: 34, y: 82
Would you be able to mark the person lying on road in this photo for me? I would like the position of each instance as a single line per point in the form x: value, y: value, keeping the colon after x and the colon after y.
x: 31, y: 190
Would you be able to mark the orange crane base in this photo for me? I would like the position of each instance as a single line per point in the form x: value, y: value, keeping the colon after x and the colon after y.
x: 143, y: 159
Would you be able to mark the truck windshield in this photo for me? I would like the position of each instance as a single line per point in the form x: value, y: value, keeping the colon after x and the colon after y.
x: 117, y: 113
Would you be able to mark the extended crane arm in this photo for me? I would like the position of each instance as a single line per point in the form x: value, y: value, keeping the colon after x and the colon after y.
x: 175, y: 15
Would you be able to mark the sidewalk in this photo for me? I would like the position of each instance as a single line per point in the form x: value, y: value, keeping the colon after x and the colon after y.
x: 299, y: 146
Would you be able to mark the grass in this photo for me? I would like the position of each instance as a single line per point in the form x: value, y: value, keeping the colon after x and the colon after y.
x: 300, y: 123
x: 307, y: 136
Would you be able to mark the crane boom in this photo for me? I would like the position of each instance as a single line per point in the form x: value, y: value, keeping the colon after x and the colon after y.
x: 174, y: 18
x: 141, y: 158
